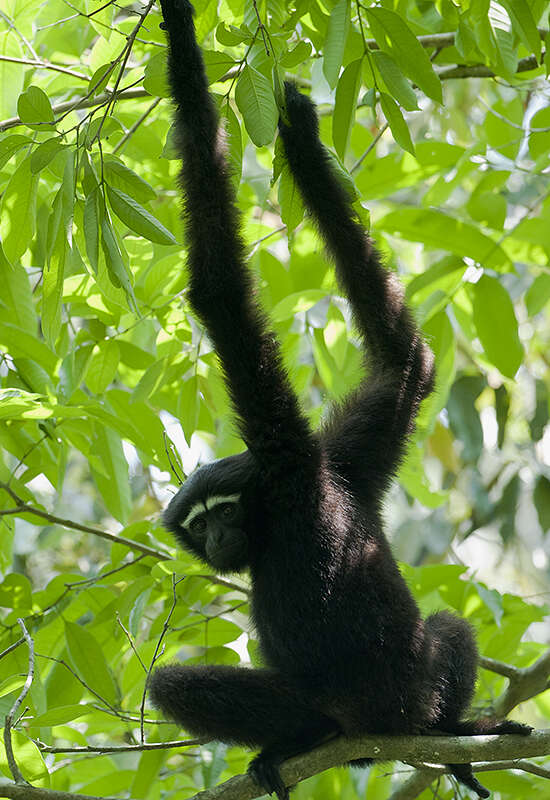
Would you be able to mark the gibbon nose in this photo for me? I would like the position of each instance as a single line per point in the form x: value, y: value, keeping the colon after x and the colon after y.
x: 217, y: 535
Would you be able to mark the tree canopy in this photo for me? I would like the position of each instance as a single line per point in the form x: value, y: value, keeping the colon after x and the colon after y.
x: 437, y: 117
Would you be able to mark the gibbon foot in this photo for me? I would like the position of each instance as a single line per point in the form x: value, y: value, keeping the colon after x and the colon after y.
x: 464, y: 774
x: 512, y: 727
x: 265, y: 771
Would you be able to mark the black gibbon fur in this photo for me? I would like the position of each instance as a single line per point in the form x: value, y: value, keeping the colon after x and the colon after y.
x: 345, y: 647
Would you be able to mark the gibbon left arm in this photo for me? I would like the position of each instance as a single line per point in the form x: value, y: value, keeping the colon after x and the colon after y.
x: 366, y: 436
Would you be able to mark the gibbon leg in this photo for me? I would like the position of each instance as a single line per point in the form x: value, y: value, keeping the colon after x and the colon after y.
x: 454, y: 663
x: 252, y: 707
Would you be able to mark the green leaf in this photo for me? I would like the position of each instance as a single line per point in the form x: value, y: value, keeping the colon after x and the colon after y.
x: 502, y: 409
x: 230, y: 35
x: 52, y: 293
x: 188, y: 406
x: 138, y: 608
x: 397, y: 124
x: 506, y: 509
x: 15, y: 593
x: 11, y: 684
x: 137, y: 218
x: 60, y: 235
x: 60, y: 715
x: 119, y: 176
x: 22, y: 343
x: 290, y: 199
x: 335, y: 335
x: 493, y: 601
x: 234, y: 141
x: 540, y: 417
x: 396, y: 83
x: 538, y: 138
x: 110, y: 471
x: 395, y: 38
x: 413, y: 477
x: 298, y: 55
x: 217, y: 64
x: 93, y: 214
x: 335, y: 42
x: 28, y: 758
x: 103, y: 366
x: 507, y: 61
x: 99, y: 80
x: 296, y: 303
x: 44, y: 153
x: 463, y: 416
x: 89, y: 661
x: 12, y: 75
x: 118, y: 273
x: 33, y: 106
x: 541, y: 497
x: 441, y: 231
x: 524, y: 24
x: 496, y: 325
x: 256, y: 101
x: 344, y: 106
x: 16, y: 299
x: 11, y: 145
x: 18, y: 211
x: 155, y: 78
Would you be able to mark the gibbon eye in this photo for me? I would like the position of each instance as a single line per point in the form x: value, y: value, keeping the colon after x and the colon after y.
x: 198, y: 525
x: 228, y: 510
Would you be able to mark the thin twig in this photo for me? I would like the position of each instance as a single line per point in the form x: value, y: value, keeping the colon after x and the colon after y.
x: 130, y: 132
x: 31, y: 62
x: 131, y: 641
x: 126, y: 748
x: 163, y: 633
x: 371, y: 147
x: 12, y: 763
x: 12, y: 647
x: 79, y: 679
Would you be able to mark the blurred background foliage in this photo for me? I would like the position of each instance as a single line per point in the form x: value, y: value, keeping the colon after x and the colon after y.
x: 437, y: 115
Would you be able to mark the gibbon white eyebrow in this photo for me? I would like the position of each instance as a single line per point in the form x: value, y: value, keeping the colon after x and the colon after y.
x: 196, y: 509
x: 218, y: 499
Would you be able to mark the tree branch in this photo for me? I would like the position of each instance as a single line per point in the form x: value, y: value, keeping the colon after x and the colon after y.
x: 16, y: 792
x: 520, y: 763
x: 432, y: 749
x: 84, y: 102
x: 424, y: 774
x: 497, y: 752
x: 506, y: 670
x: 523, y: 684
x: 445, y: 73
x: 25, y: 508
x: 481, y: 71
x: 416, y: 784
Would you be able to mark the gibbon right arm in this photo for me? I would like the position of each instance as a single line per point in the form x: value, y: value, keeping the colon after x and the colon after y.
x: 221, y: 289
